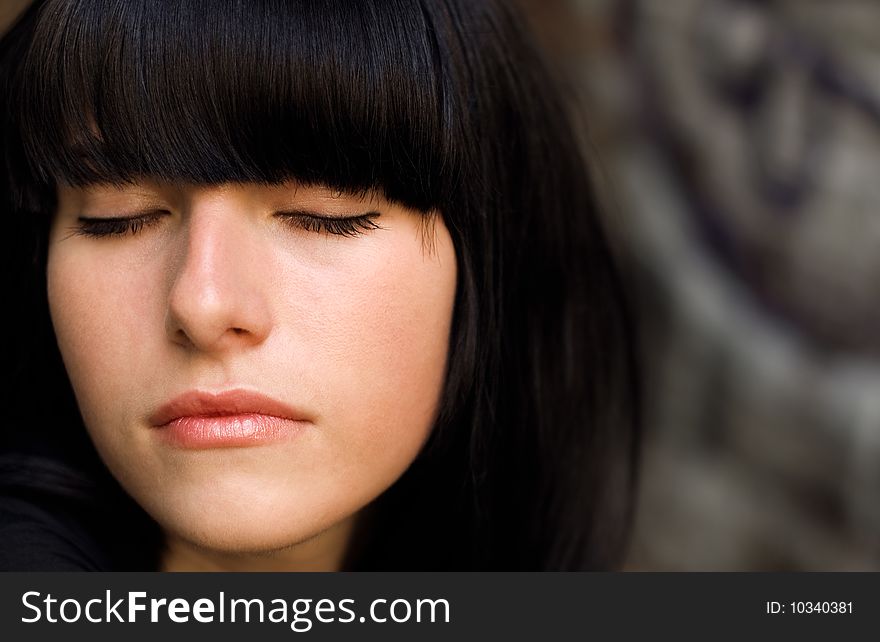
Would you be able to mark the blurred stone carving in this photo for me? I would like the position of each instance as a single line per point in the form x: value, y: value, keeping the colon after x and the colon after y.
x: 740, y: 145
x: 773, y: 112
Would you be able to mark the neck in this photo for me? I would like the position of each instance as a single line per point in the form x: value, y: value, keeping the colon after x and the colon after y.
x: 323, y: 552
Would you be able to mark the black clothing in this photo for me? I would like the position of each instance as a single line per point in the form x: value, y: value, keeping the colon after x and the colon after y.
x: 37, y: 536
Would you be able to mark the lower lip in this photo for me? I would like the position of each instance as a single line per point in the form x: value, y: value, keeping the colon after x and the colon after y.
x: 228, y: 431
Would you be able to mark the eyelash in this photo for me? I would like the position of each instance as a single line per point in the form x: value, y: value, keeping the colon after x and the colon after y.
x: 348, y: 227
x: 100, y: 227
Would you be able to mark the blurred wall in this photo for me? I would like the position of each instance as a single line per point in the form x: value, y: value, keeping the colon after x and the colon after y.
x: 739, y: 144
x: 9, y: 10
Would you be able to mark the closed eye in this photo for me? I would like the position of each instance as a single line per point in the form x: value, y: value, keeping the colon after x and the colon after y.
x: 349, y: 226
x: 100, y: 226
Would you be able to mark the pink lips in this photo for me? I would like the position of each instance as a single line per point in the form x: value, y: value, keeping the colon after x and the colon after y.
x: 231, y: 419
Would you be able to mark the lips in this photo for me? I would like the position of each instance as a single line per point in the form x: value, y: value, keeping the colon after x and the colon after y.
x: 228, y: 403
x: 231, y: 419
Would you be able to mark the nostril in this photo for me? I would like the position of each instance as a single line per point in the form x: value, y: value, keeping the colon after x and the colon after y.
x: 238, y: 330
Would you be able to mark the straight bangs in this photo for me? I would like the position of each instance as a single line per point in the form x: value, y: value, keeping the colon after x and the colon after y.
x: 347, y: 95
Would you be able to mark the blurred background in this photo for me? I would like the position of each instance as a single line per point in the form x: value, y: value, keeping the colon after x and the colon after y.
x: 738, y: 154
x: 739, y: 158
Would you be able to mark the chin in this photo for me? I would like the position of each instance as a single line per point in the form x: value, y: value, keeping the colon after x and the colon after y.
x: 247, y: 529
x: 226, y: 536
x: 246, y: 523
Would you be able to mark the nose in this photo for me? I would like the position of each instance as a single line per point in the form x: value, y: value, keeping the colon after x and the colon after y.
x: 218, y: 301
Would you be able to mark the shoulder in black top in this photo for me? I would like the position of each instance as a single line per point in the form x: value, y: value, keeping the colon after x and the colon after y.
x: 41, y: 537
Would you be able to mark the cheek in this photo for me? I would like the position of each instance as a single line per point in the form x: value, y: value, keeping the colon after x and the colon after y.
x: 379, y: 328
x: 101, y: 313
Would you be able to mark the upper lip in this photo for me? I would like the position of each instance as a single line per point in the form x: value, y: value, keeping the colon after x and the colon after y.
x: 229, y: 402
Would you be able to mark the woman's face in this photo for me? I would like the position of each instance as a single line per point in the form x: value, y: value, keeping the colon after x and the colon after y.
x: 214, y: 294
